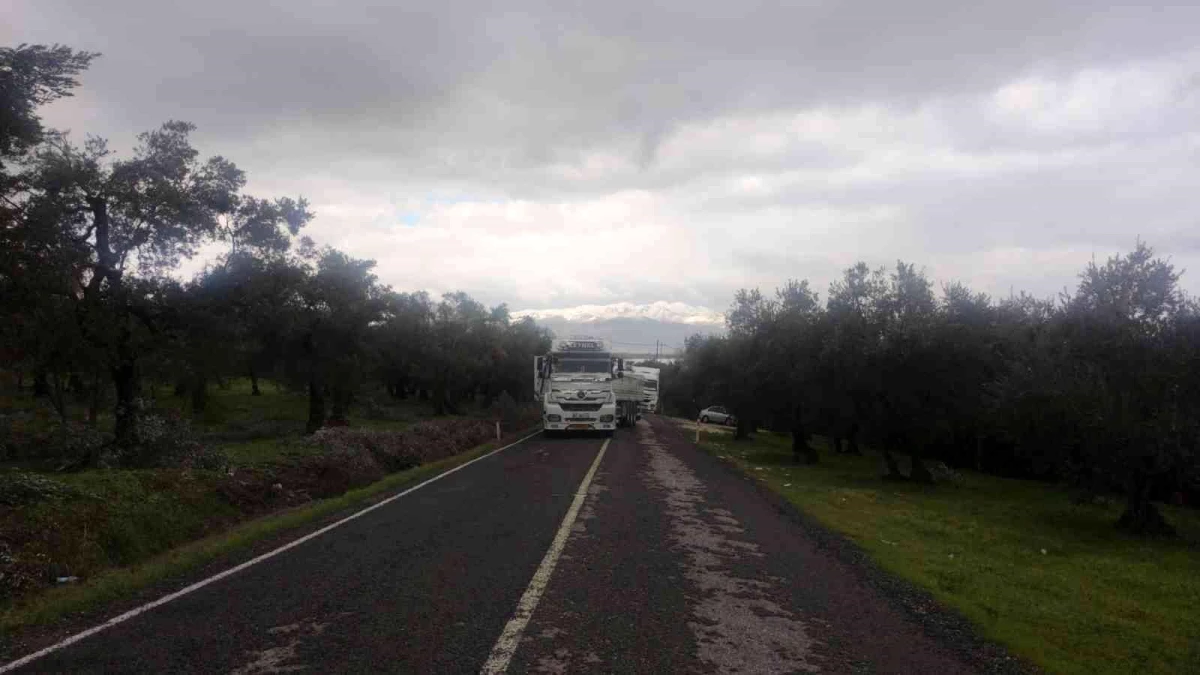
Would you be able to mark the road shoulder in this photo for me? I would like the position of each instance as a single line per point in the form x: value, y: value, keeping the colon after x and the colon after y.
x: 946, y: 628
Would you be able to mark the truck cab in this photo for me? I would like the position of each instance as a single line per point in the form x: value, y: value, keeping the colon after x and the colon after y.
x: 574, y: 384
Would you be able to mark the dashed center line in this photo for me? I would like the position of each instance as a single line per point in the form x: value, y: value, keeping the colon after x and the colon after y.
x: 506, y: 645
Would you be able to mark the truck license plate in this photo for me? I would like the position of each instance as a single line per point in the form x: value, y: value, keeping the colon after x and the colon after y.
x: 579, y: 426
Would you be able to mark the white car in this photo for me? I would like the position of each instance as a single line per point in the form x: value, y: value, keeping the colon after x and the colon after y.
x: 717, y: 415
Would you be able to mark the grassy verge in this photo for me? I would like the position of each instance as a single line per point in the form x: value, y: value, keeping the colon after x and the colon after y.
x: 119, y: 583
x: 1052, y: 580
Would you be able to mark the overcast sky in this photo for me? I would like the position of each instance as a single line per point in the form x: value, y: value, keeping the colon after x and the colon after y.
x: 559, y: 154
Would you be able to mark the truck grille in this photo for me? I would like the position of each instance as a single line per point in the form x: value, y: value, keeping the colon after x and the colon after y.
x: 580, y: 407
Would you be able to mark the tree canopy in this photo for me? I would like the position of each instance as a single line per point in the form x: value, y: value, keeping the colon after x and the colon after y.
x: 1097, y: 388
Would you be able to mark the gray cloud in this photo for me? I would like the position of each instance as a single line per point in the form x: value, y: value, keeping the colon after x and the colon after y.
x: 484, y: 146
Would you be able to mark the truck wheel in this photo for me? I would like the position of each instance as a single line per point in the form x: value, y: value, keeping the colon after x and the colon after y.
x: 704, y: 420
x: 608, y: 433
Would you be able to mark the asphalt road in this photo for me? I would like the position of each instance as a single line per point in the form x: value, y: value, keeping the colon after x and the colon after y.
x: 673, y: 564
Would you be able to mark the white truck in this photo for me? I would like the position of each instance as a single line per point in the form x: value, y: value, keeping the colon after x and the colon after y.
x: 649, y: 376
x: 583, y: 387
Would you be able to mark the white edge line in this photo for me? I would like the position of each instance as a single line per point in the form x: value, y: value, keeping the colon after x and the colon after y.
x: 121, y: 618
x: 506, y: 645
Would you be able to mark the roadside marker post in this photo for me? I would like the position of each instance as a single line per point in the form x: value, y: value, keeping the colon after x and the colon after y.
x: 497, y: 429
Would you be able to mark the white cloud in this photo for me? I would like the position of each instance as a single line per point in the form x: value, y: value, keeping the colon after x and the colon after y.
x: 639, y: 157
x: 668, y: 312
x: 1130, y: 99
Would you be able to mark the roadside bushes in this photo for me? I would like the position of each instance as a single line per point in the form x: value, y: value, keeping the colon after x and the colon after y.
x: 82, y: 523
x: 349, y: 458
x: 161, y: 439
x: 505, y: 409
x: 26, y: 436
x: 393, y: 451
x: 164, y: 439
x: 19, y: 487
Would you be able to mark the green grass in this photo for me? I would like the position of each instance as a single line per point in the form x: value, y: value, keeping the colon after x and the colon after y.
x: 1052, y: 580
x: 263, y: 451
x: 119, y: 583
x: 252, y: 430
x: 232, y: 414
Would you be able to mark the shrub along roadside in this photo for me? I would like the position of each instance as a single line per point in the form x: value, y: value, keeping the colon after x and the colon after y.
x: 1047, y: 577
x: 147, y: 567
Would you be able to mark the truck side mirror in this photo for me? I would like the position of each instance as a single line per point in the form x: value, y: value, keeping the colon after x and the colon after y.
x: 541, y: 363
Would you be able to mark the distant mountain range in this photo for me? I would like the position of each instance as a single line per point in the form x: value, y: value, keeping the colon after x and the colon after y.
x: 666, y: 312
x: 633, y: 330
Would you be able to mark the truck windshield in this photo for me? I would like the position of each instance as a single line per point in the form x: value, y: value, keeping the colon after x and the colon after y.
x: 577, y: 365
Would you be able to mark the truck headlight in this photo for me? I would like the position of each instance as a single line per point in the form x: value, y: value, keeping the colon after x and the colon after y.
x: 606, y: 418
x: 553, y: 418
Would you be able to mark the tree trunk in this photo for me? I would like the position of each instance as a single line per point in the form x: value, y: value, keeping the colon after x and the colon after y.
x: 77, y: 387
x: 852, y: 440
x: 94, y: 405
x: 439, y: 399
x: 337, y: 415
x: 58, y: 397
x: 316, y: 405
x: 254, y: 382
x: 199, y: 394
x: 742, y: 432
x: 124, y: 377
x: 889, y: 459
x: 41, y: 387
x: 1141, y: 517
x: 800, y: 444
x: 893, y: 469
x: 920, y: 473
x: 837, y: 444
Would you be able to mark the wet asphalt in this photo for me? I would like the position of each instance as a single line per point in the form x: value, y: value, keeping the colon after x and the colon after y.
x: 676, y: 564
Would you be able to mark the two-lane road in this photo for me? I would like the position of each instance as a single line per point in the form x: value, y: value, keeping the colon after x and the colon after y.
x: 668, y: 563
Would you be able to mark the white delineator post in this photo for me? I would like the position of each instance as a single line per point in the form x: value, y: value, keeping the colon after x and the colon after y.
x: 497, y: 429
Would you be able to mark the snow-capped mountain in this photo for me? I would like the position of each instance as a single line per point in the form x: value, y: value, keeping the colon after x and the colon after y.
x: 660, y: 327
x: 666, y: 312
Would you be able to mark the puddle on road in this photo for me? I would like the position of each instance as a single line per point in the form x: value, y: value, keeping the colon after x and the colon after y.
x: 737, y: 625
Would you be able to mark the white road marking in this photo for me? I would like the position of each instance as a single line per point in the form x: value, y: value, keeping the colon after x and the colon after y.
x: 506, y: 645
x: 234, y: 570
